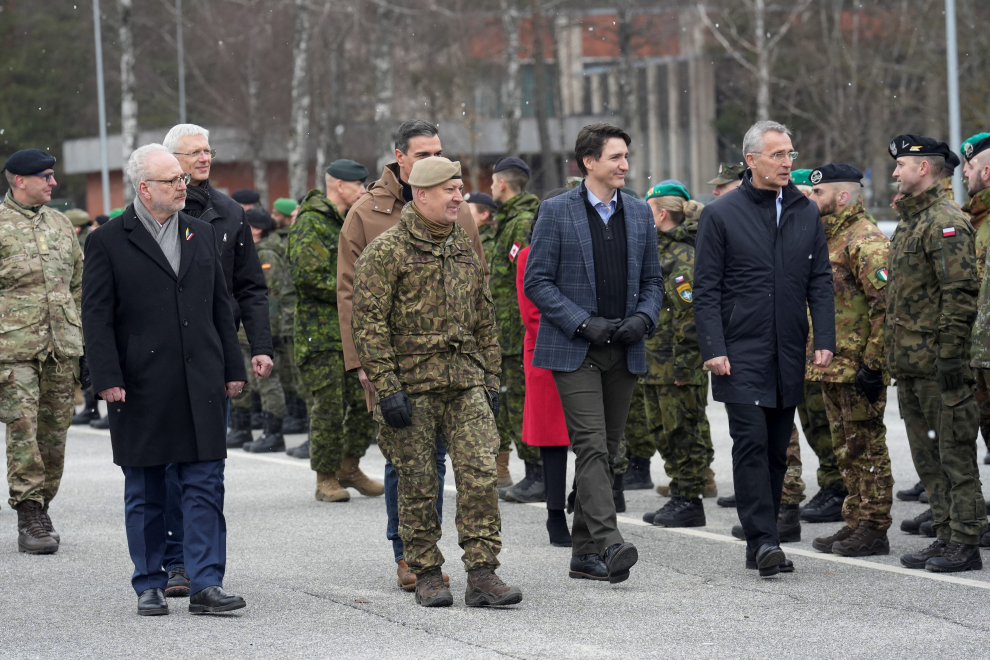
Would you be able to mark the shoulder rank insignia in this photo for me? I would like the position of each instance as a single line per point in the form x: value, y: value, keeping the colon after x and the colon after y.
x: 684, y: 291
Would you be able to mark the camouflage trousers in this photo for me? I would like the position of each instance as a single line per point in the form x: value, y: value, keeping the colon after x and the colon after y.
x: 288, y: 373
x: 464, y: 420
x: 339, y: 422
x: 270, y: 389
x: 511, y: 394
x: 818, y: 433
x: 982, y: 395
x: 942, y: 431
x: 859, y: 438
x: 793, y: 493
x: 36, y: 400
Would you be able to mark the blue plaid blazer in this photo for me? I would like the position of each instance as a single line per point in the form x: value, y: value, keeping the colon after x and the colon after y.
x: 560, y: 278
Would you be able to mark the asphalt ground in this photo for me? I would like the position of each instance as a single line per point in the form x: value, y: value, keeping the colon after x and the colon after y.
x: 320, y: 583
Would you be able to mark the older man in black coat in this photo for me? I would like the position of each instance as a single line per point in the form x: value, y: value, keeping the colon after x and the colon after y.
x: 164, y: 355
x: 761, y: 263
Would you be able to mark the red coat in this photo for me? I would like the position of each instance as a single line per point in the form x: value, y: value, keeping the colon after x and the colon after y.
x: 543, y: 416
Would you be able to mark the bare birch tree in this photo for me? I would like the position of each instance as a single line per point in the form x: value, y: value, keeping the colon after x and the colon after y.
x: 128, y: 102
x: 511, y: 90
x: 301, y: 100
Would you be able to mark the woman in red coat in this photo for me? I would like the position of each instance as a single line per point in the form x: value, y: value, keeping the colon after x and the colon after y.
x: 543, y: 417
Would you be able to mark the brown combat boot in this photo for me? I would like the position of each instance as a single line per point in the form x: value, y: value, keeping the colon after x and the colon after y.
x: 431, y: 591
x: 351, y: 476
x: 485, y: 589
x: 824, y: 543
x: 502, y: 466
x: 47, y: 522
x: 867, y: 540
x: 407, y: 579
x: 31, y: 535
x: 711, y: 490
x: 328, y: 489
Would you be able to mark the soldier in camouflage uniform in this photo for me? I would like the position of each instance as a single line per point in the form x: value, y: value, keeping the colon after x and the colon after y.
x: 341, y: 429
x: 729, y: 178
x: 854, y: 385
x: 931, y: 305
x: 514, y: 224
x: 425, y: 331
x: 40, y: 342
x: 483, y: 209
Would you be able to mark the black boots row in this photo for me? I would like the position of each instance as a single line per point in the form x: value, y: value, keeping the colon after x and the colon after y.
x: 90, y: 414
x: 240, y: 434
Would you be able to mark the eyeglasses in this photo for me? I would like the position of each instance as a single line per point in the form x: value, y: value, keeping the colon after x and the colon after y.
x: 197, y: 154
x: 185, y: 178
x: 780, y: 155
x: 47, y: 177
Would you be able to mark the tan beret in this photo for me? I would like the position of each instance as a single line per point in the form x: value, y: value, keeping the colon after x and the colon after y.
x: 77, y: 217
x: 433, y: 171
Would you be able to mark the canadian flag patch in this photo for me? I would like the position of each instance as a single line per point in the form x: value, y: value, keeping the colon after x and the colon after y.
x: 513, y: 252
x: 948, y: 231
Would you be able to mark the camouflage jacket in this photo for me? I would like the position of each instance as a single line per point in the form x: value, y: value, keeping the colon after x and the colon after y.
x: 977, y: 209
x: 515, y: 224
x: 673, y: 353
x: 487, y: 235
x: 858, y: 253
x: 312, y: 256
x: 281, y: 294
x: 424, y: 319
x: 932, y: 288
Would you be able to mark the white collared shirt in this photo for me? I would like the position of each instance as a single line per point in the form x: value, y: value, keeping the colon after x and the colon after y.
x: 780, y: 204
x: 606, y: 210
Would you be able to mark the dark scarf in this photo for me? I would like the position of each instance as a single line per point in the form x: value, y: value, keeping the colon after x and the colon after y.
x: 406, y: 190
x: 198, y: 199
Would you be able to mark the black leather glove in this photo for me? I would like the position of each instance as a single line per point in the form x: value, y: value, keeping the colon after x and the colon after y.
x: 494, y: 402
x: 597, y: 330
x: 949, y: 372
x: 85, y: 379
x: 869, y: 383
x: 397, y: 410
x: 631, y: 330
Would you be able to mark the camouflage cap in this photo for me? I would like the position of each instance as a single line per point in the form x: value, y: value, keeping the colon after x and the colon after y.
x: 727, y: 173
x: 801, y: 177
x: 77, y: 217
x: 433, y: 171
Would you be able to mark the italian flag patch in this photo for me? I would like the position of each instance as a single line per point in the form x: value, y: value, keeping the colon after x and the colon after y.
x: 882, y: 274
x: 948, y: 231
x: 513, y: 252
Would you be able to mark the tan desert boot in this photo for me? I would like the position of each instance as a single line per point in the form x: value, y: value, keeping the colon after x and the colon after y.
x: 328, y: 489
x: 711, y: 490
x: 351, y: 476
x: 502, y: 465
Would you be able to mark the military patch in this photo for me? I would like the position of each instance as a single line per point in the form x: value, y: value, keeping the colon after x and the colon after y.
x: 513, y: 252
x: 882, y: 274
x: 265, y: 266
x: 948, y: 231
x: 816, y: 177
x: 678, y: 279
x: 684, y: 291
x: 893, y: 148
x: 968, y: 148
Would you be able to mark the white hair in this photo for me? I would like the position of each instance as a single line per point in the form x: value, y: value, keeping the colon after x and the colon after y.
x: 171, y: 140
x: 137, y: 164
x: 753, y: 141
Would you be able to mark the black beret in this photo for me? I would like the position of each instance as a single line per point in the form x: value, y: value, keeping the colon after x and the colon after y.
x: 29, y: 161
x: 246, y: 196
x: 917, y: 145
x: 835, y: 172
x: 102, y: 219
x: 481, y: 198
x: 952, y: 160
x: 347, y: 170
x: 509, y: 162
x: 258, y: 218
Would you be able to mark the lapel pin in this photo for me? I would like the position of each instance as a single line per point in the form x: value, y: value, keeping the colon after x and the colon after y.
x: 189, y: 234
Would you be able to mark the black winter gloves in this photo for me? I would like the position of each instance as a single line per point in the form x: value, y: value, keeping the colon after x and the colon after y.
x: 397, y: 410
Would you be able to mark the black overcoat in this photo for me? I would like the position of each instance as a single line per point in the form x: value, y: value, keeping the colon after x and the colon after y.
x: 754, y: 283
x: 168, y: 340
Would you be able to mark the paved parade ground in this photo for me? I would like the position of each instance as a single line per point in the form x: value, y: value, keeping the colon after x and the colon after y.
x: 319, y: 581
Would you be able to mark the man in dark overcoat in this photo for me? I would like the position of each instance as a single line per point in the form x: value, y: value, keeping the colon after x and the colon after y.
x: 165, y: 357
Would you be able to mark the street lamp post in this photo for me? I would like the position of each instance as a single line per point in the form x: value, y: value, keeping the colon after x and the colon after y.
x: 182, y: 64
x: 952, y: 62
x: 101, y: 95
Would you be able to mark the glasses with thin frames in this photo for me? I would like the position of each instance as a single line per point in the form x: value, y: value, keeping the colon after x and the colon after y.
x: 779, y: 156
x: 174, y: 182
x: 47, y: 177
x: 196, y: 154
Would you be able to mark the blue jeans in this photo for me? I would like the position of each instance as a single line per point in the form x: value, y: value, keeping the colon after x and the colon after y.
x: 392, y: 499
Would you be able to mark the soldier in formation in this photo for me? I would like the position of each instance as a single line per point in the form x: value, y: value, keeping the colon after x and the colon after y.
x: 40, y: 341
x: 441, y: 379
x: 483, y: 209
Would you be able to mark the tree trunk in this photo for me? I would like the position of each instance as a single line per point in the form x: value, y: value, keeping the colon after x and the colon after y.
x: 762, y: 60
x: 511, y: 92
x: 381, y: 53
x: 548, y: 166
x: 256, y: 137
x: 628, y: 94
x: 301, y: 99
x: 128, y: 103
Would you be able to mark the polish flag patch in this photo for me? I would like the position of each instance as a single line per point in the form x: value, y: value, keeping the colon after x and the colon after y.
x: 948, y: 231
x: 513, y: 252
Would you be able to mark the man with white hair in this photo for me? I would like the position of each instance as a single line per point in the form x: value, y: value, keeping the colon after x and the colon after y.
x: 160, y: 333
x: 761, y: 262
x: 190, y: 144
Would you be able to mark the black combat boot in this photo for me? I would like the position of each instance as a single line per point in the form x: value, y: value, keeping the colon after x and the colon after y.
x: 927, y: 528
x: 985, y: 540
x: 866, y: 541
x: 257, y: 419
x: 638, y: 475
x: 300, y: 451
x: 911, y: 494
x: 295, y: 416
x: 681, y: 512
x: 240, y: 428
x: 956, y: 557
x: 789, y: 523
x: 530, y: 489
x: 826, y: 506
x: 90, y: 410
x: 618, y: 495
x: 271, y: 440
x: 32, y: 537
x: 824, y: 543
x: 100, y: 423
x: 920, y: 559
x: 913, y: 525
x: 923, y: 498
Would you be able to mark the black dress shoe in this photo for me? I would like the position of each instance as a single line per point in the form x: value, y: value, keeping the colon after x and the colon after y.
x: 786, y: 566
x: 588, y: 567
x: 728, y: 501
x: 768, y: 559
x: 152, y: 602
x: 101, y: 423
x: 737, y: 531
x: 178, y: 582
x: 619, y: 558
x: 214, y: 599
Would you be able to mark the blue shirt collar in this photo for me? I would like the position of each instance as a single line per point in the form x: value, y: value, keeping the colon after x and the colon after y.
x: 595, y: 201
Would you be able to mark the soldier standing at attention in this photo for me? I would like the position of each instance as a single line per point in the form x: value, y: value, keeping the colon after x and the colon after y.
x: 40, y: 340
x: 931, y: 306
x: 854, y: 386
x: 514, y: 224
x: 483, y: 209
x: 341, y: 428
x: 426, y: 334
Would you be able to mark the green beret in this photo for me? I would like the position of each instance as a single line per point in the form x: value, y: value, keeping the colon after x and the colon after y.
x: 347, y: 170
x: 801, y: 177
x: 77, y: 217
x: 114, y: 213
x: 285, y: 206
x: 669, y: 188
x: 974, y: 145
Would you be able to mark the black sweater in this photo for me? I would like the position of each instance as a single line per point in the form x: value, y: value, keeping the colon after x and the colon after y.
x: 608, y: 246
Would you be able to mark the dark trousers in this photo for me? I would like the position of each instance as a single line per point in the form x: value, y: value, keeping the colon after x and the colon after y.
x: 596, y: 399
x: 554, y: 461
x: 201, y: 501
x: 759, y: 461
x: 392, y: 499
